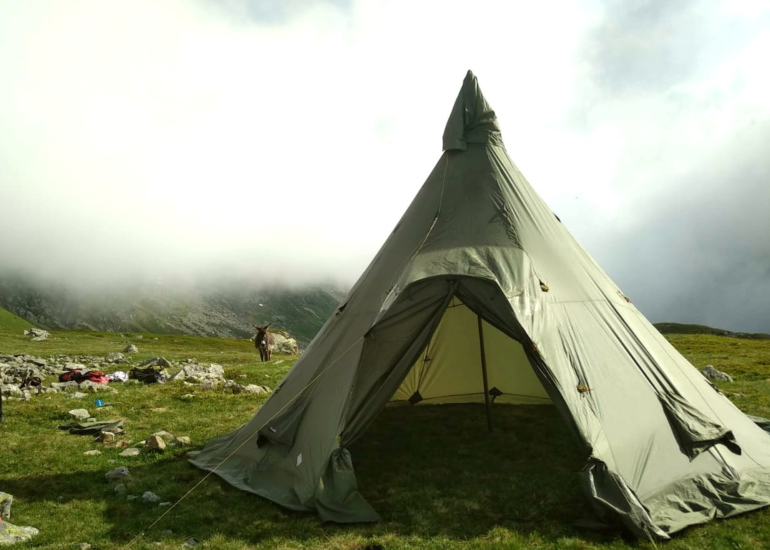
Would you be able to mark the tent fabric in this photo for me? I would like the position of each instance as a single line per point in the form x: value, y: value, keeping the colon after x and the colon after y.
x: 664, y: 449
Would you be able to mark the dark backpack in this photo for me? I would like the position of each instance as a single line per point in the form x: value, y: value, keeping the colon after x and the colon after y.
x: 70, y: 376
x: 149, y: 375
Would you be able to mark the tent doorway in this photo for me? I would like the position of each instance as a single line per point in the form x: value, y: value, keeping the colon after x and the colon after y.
x: 427, y: 350
x: 451, y: 368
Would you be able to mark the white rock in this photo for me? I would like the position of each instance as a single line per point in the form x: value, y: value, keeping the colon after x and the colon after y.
x: 79, y: 414
x: 118, y: 473
x: 713, y: 374
x: 74, y: 366
x: 93, y: 452
x: 149, y: 496
x: 131, y: 451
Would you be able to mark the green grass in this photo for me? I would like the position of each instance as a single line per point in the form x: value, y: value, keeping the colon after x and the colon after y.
x: 13, y: 323
x: 439, y: 480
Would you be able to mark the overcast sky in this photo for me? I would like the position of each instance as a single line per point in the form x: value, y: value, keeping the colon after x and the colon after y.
x: 283, y: 140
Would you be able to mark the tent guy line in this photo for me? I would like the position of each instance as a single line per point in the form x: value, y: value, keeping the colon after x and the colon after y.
x: 210, y: 473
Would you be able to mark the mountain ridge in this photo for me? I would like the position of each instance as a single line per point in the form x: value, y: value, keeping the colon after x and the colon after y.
x: 224, y: 310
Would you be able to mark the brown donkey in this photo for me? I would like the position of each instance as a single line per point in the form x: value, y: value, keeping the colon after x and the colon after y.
x: 264, y: 342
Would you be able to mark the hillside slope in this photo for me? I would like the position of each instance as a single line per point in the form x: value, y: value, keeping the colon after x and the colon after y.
x: 226, y: 310
x: 682, y: 328
x: 12, y: 323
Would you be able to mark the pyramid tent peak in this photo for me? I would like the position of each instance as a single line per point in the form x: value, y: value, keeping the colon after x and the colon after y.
x: 472, y: 120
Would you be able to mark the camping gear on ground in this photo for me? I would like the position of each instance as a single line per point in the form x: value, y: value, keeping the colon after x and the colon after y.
x: 31, y: 382
x: 95, y: 376
x: 478, y: 288
x: 118, y: 376
x: 149, y: 375
x: 94, y: 428
x: 70, y: 376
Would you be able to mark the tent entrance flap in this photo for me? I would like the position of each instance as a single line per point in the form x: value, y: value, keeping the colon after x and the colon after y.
x: 450, y: 368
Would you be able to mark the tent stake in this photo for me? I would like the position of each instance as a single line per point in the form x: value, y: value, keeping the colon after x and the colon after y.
x: 484, y: 374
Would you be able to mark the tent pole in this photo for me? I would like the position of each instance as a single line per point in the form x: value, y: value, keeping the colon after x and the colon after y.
x: 484, y: 374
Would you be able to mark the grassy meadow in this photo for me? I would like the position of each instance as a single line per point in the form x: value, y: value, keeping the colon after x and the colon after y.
x: 439, y: 480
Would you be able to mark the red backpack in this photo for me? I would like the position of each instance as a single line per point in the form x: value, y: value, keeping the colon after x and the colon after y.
x: 97, y: 377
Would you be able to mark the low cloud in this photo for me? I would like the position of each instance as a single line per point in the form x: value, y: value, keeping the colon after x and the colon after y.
x: 184, y: 140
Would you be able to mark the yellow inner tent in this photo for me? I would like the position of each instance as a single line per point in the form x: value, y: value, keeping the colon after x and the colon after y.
x: 450, y: 370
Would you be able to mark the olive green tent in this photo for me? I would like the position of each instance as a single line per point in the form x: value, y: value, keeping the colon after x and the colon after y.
x: 481, y: 291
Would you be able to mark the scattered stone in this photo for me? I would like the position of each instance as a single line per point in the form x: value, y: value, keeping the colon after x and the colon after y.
x: 155, y: 443
x: 87, y: 385
x: 209, y: 384
x: 253, y: 388
x: 38, y: 334
x: 11, y: 534
x: 198, y: 373
x: 149, y: 496
x: 159, y: 410
x: 115, y: 357
x: 120, y: 488
x: 187, y: 396
x: 156, y: 362
x: 164, y: 504
x: 181, y: 441
x: 233, y: 386
x: 138, y: 336
x: 77, y: 395
x: 191, y: 543
x: 79, y: 414
x: 243, y: 376
x: 131, y: 348
x: 164, y: 434
x: 131, y: 451
x: 5, y: 505
x: 94, y: 452
x: 10, y: 390
x: 65, y: 386
x: 131, y: 497
x: 284, y: 344
x: 713, y: 374
x: 83, y: 546
x: 118, y: 473
x: 74, y: 366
